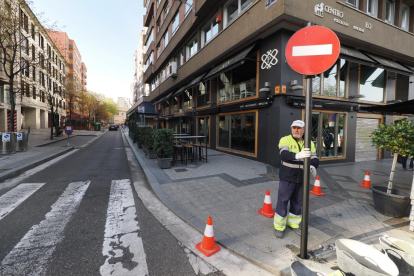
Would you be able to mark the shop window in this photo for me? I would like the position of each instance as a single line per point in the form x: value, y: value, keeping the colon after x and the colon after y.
x: 353, y: 3
x: 333, y: 81
x: 192, y: 48
x: 188, y: 99
x: 238, y: 132
x: 209, y: 31
x: 328, y: 134
x: 372, y: 83
x: 203, y: 95
x: 389, y: 11
x: 372, y: 7
x: 233, y: 9
x: 203, y: 128
x: 401, y: 88
x: 238, y: 83
x: 405, y: 17
x: 176, y: 104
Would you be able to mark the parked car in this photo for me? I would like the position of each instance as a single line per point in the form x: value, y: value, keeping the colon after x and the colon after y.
x: 113, y: 127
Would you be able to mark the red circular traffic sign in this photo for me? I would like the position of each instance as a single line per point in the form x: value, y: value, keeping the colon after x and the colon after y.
x: 312, y: 50
x: 68, y: 130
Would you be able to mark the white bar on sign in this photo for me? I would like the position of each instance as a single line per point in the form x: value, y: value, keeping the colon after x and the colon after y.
x: 312, y: 50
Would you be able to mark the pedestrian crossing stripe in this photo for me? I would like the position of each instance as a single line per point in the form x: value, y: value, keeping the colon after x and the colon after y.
x: 30, y: 256
x: 13, y: 198
x: 122, y: 233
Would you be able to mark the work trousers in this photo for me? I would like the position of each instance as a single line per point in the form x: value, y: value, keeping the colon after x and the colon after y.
x: 289, y: 191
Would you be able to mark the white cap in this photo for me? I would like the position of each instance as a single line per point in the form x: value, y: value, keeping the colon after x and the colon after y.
x: 298, y: 123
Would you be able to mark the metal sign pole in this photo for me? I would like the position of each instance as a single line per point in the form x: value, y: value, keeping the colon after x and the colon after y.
x: 306, y: 170
x: 68, y: 141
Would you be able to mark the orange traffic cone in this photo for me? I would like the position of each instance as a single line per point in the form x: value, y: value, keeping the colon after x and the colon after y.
x: 267, y: 209
x: 317, y: 187
x: 367, y: 181
x: 208, y: 247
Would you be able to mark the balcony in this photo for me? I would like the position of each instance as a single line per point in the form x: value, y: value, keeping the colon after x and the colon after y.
x: 150, y: 13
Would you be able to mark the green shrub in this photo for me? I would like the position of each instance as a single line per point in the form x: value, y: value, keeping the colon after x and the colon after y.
x: 147, y: 135
x: 163, y: 142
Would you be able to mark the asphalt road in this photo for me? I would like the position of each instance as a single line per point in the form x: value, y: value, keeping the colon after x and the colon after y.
x: 82, y: 216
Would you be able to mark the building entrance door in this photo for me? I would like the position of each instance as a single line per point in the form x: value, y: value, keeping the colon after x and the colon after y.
x: 364, y: 150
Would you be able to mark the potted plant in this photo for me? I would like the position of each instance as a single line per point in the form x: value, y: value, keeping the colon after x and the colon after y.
x: 163, y: 144
x: 138, y: 135
x: 399, y: 139
x: 149, y: 142
x: 143, y: 137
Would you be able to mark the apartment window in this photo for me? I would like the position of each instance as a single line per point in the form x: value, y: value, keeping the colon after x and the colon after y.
x: 188, y: 6
x: 175, y: 23
x: 33, y: 31
x: 389, y: 11
x: 372, y: 83
x: 353, y: 3
x: 34, y: 92
x: 333, y: 81
x: 192, y: 48
x: 158, y: 50
x: 209, y: 31
x: 158, y: 3
x: 158, y: 25
x: 149, y: 61
x: 41, y: 42
x: 405, y: 17
x: 149, y: 40
x: 372, y: 7
x: 233, y: 9
x: 33, y: 52
x: 166, y: 39
x: 34, y: 73
x: 24, y: 21
x: 238, y: 132
x: 238, y: 83
x: 166, y: 9
x: 329, y: 134
x: 24, y: 66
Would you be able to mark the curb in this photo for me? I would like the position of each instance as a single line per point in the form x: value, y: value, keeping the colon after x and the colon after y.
x: 55, y: 141
x: 263, y: 260
x: 16, y: 172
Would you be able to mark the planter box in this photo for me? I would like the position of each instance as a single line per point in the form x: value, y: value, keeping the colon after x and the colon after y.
x: 164, y: 163
x: 151, y: 154
x: 392, y: 205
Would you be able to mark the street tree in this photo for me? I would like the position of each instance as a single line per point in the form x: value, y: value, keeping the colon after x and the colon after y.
x: 71, y: 95
x: 16, y: 57
x: 398, y: 138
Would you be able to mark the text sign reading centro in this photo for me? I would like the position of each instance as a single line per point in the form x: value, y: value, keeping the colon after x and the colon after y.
x: 312, y: 50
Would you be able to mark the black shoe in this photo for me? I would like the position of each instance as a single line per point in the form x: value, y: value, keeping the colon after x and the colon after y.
x: 297, y: 231
x: 279, y: 234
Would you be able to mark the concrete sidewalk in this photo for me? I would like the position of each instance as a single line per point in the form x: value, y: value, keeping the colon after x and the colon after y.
x: 232, y: 189
x: 42, y: 149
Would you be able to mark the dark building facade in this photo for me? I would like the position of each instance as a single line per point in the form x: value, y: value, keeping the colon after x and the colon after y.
x: 218, y: 68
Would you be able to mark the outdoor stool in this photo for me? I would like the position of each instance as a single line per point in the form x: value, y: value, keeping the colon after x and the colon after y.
x: 189, y: 153
x: 178, y: 150
x: 199, y: 147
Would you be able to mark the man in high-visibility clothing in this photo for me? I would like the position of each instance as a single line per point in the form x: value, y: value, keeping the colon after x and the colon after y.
x: 292, y: 153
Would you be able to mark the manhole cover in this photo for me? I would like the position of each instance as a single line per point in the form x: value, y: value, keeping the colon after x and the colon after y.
x: 180, y: 170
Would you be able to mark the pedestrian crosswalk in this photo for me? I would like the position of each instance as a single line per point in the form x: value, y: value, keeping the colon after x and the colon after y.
x: 33, y: 253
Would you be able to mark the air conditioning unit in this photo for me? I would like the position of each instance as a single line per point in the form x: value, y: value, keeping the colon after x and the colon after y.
x: 172, y: 70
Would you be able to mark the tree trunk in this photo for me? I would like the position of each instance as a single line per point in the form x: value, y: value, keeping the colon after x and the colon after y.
x: 392, y: 173
x: 52, y: 120
x: 12, y: 103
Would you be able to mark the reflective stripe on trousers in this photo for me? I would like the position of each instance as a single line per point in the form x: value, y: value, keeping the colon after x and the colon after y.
x: 294, y: 220
x: 279, y: 222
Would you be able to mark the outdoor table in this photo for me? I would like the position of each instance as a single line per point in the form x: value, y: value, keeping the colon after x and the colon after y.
x: 181, y: 134
x: 195, y: 138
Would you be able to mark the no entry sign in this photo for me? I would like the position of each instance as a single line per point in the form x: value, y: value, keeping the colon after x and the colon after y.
x: 312, y: 50
x: 68, y: 130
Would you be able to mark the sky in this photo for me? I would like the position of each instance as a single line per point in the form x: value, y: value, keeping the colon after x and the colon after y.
x: 106, y: 34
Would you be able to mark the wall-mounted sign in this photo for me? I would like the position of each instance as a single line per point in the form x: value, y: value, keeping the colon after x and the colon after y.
x: 277, y: 89
x: 19, y: 136
x: 5, y: 137
x: 269, y: 59
x: 254, y: 105
x: 268, y: 3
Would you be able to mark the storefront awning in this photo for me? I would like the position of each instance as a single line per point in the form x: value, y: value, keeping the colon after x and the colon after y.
x: 355, y: 56
x: 164, y: 98
x: 179, y: 91
x: 230, y: 63
x: 406, y: 107
x: 195, y: 81
x: 391, y: 65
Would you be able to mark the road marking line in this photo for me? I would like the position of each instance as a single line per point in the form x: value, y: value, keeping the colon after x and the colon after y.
x: 122, y: 246
x: 31, y: 255
x: 13, y: 198
x: 312, y: 50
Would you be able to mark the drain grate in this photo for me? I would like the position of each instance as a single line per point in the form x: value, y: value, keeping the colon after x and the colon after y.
x: 180, y: 170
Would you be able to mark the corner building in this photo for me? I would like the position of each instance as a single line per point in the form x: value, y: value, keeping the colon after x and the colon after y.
x: 208, y: 64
